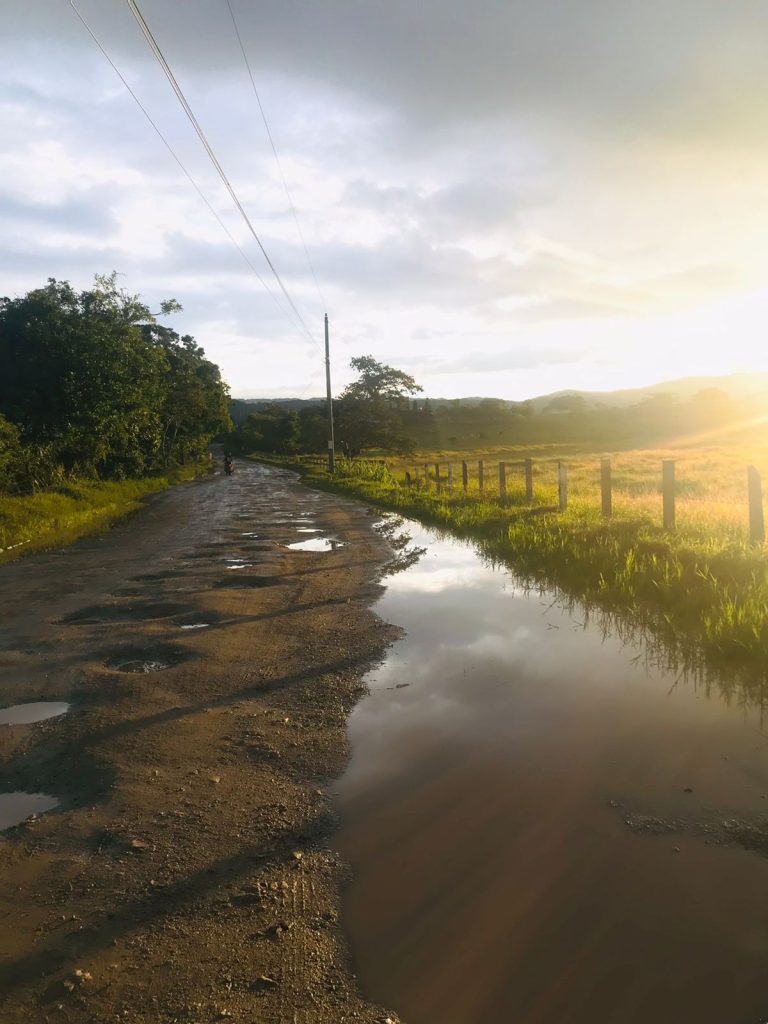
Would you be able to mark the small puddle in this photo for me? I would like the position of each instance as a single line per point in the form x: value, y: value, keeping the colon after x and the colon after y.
x: 307, y: 529
x: 17, y: 807
x: 316, y: 544
x: 503, y: 769
x: 35, y: 711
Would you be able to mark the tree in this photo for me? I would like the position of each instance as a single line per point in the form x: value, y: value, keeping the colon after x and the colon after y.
x: 370, y: 412
x: 98, y: 387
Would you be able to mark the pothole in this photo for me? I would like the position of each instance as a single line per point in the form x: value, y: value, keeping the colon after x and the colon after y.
x: 247, y: 582
x: 196, y: 620
x: 35, y: 711
x: 17, y: 807
x: 143, y: 660
x: 316, y: 544
x: 137, y: 612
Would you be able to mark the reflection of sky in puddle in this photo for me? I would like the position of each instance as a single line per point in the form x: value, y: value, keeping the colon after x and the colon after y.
x: 477, y: 804
x: 17, y: 807
x: 316, y: 544
x: 35, y: 711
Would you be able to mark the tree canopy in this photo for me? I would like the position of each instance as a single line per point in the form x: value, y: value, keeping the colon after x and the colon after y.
x: 91, y: 384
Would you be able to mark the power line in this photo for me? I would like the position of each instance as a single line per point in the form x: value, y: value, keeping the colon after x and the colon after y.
x: 154, y: 47
x: 274, y: 151
x: 170, y: 149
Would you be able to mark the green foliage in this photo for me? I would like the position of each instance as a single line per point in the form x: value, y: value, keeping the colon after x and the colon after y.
x: 98, y: 389
x: 370, y: 412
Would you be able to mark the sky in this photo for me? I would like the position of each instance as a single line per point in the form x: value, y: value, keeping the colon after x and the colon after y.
x: 503, y: 198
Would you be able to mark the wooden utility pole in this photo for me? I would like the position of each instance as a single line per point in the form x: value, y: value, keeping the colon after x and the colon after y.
x: 331, y: 451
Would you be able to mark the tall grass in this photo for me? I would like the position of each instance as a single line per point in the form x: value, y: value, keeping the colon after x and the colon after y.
x: 702, y: 589
x: 52, y: 518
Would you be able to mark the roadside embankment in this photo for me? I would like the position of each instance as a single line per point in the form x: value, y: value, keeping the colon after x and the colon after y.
x: 53, y: 518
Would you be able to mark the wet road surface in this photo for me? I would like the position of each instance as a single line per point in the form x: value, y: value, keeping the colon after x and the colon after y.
x: 543, y: 829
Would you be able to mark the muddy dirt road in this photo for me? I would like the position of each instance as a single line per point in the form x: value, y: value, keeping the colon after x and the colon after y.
x: 208, y: 670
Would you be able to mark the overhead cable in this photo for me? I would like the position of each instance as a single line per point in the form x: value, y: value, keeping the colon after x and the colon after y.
x: 154, y: 47
x: 274, y: 151
x: 170, y: 149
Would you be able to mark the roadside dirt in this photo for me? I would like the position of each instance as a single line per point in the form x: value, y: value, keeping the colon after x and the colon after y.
x: 185, y: 875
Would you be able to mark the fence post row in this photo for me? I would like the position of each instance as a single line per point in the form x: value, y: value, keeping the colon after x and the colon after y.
x: 450, y: 478
x: 756, y: 518
x: 529, y: 480
x: 480, y: 475
x: 502, y: 480
x: 562, y: 486
x: 464, y: 476
x: 605, y: 486
x: 668, y: 492
x: 437, y: 476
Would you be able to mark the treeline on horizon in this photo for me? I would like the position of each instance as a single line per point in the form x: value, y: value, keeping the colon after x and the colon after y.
x: 401, y: 424
x: 93, y: 387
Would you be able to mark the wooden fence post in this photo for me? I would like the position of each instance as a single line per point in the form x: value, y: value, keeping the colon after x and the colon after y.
x: 437, y: 476
x: 605, y: 486
x: 502, y: 481
x: 756, y: 518
x: 464, y: 476
x: 562, y: 485
x: 426, y: 476
x: 668, y: 492
x: 480, y: 475
x: 450, y: 478
x: 529, y: 480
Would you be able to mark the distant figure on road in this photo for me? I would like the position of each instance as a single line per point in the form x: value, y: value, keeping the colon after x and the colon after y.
x: 228, y: 464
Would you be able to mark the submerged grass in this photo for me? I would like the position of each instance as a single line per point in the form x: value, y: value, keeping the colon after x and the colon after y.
x: 701, y: 590
x: 53, y: 518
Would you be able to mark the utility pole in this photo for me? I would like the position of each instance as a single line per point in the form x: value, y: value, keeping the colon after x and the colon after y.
x: 331, y: 453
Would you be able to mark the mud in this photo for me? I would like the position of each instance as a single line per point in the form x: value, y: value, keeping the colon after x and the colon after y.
x: 185, y: 874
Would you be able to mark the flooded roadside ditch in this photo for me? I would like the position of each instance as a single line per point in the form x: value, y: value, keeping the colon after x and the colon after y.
x: 543, y: 825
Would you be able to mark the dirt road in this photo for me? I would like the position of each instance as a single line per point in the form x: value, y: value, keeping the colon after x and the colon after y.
x: 185, y: 874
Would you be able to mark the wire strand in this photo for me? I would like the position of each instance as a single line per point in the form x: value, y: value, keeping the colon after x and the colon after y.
x: 157, y: 52
x: 274, y: 152
x: 181, y: 166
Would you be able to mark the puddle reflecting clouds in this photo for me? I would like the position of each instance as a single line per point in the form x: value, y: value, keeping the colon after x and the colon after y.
x: 484, y: 813
x: 316, y: 544
x: 17, y: 807
x: 35, y: 711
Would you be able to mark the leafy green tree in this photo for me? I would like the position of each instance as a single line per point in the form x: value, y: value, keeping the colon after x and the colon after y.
x: 371, y: 410
x: 98, y: 387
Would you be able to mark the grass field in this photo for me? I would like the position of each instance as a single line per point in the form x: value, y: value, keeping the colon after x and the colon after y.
x: 53, y: 518
x: 700, y: 590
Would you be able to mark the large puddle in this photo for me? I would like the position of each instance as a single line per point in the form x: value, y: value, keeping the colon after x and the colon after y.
x: 542, y: 828
x: 316, y: 544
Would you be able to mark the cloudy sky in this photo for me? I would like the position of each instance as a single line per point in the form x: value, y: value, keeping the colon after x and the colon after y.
x: 504, y: 197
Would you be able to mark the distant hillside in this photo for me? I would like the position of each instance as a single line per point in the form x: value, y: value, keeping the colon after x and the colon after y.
x: 241, y: 408
x: 735, y: 385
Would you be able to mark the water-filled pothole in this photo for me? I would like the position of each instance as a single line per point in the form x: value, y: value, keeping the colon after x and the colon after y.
x: 143, y: 660
x: 35, y: 711
x: 135, y: 612
x: 316, y: 544
x: 17, y: 807
x: 196, y: 620
x: 307, y: 529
